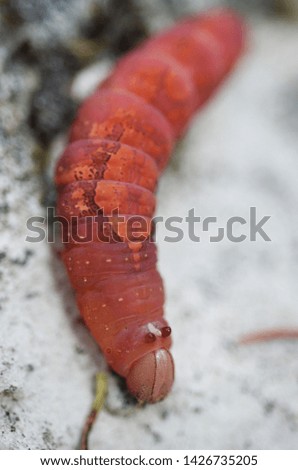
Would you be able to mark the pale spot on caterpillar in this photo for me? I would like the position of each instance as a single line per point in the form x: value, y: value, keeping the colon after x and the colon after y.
x: 152, y: 329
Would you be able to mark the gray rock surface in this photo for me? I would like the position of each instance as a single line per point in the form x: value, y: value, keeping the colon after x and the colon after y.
x: 241, y: 151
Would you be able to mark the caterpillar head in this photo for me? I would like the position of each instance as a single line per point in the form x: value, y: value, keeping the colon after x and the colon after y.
x: 151, y: 377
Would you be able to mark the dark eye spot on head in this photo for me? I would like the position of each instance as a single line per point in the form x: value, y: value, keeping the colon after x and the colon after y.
x: 166, y: 331
x: 150, y: 338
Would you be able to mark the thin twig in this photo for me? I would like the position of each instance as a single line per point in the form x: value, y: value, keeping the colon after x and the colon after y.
x: 269, y: 335
x: 100, y: 395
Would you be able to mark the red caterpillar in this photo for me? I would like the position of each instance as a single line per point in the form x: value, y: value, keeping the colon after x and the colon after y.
x: 120, y: 142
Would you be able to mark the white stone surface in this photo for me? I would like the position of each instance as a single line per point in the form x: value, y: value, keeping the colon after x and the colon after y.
x: 241, y: 151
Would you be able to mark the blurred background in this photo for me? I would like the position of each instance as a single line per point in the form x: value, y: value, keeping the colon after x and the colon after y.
x: 240, y: 152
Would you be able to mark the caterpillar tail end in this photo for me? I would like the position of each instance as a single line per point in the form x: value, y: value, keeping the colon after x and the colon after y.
x: 151, y: 377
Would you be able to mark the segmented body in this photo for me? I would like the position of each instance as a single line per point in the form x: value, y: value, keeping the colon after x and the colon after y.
x: 119, y: 144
